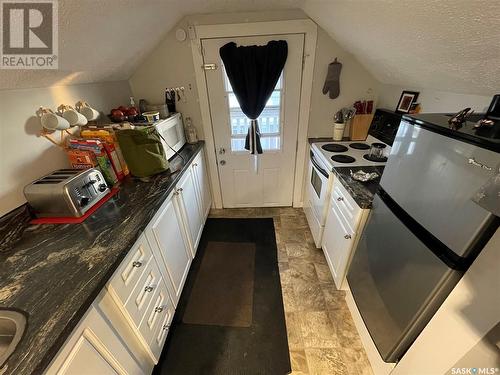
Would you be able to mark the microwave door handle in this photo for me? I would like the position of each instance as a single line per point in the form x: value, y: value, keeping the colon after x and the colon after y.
x: 317, y: 166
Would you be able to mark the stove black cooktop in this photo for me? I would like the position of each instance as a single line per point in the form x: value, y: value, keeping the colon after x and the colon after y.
x: 359, y: 146
x: 343, y: 159
x: 334, y: 147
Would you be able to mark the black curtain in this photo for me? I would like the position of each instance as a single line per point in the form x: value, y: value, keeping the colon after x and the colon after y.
x: 253, y: 72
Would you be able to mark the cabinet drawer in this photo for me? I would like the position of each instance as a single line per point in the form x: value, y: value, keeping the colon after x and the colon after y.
x: 158, y: 340
x: 131, y: 269
x: 156, y: 322
x: 346, y: 204
x: 142, y: 295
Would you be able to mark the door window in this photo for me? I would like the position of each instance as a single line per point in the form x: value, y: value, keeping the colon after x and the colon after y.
x: 269, y: 120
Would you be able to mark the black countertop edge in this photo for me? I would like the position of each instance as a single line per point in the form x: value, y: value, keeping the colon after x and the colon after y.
x: 53, y: 312
x: 437, y: 123
x: 362, y: 192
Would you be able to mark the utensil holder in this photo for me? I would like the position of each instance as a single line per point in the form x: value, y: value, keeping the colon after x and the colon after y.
x: 338, y: 131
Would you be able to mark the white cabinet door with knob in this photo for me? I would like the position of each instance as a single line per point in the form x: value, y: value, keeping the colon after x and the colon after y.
x: 202, y: 184
x: 344, y: 223
x: 187, y: 196
x: 168, y: 238
x: 94, y: 348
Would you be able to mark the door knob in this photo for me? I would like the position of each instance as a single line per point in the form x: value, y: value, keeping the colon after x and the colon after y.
x: 222, y: 150
x: 222, y: 162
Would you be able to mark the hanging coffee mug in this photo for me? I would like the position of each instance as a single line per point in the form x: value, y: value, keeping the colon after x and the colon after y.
x: 85, y: 109
x: 52, y: 121
x: 74, y: 118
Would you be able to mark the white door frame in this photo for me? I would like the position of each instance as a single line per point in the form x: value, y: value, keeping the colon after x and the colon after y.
x: 306, y: 27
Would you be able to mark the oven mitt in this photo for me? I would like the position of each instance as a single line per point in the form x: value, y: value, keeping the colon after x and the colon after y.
x: 332, y: 81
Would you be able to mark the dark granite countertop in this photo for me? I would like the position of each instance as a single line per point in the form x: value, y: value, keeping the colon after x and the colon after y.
x: 362, y: 192
x: 54, y: 272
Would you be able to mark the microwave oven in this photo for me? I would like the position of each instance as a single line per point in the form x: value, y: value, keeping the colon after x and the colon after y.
x: 172, y: 134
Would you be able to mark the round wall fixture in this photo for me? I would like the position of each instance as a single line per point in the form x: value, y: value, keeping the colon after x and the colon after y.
x: 180, y: 35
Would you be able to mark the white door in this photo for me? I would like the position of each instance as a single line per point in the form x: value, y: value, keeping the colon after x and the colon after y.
x: 272, y: 184
x: 166, y: 234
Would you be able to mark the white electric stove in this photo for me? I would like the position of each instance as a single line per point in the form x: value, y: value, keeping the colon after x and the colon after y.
x: 349, y: 153
x: 324, y: 156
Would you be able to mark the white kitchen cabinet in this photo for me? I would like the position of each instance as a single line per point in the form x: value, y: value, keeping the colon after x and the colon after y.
x: 344, y: 223
x: 126, y: 327
x: 202, y: 184
x: 131, y: 269
x: 168, y: 237
x: 187, y: 196
x: 94, y: 348
x: 338, y: 240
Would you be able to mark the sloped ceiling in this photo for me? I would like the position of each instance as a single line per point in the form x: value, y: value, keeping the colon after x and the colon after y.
x: 105, y: 40
x: 450, y: 45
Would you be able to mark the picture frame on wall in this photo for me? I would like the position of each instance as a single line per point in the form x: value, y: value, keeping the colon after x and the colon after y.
x: 406, y: 100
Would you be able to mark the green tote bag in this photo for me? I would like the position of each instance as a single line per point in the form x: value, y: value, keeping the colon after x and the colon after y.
x: 143, y: 151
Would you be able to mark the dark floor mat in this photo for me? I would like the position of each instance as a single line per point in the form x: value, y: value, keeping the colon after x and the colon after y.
x: 261, y: 348
x: 222, y: 294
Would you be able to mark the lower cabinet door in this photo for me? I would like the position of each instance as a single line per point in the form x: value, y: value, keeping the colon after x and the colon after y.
x: 202, y: 183
x: 94, y: 348
x: 167, y: 237
x: 189, y: 201
x: 338, y: 241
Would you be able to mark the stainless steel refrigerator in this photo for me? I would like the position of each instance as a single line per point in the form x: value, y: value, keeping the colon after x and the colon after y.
x: 424, y: 229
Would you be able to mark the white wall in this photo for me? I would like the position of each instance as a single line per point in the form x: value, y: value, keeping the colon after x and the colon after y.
x: 433, y: 100
x: 23, y: 155
x: 171, y: 65
x: 355, y: 83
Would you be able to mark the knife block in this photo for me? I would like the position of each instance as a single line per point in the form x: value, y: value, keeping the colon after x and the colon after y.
x: 360, y: 124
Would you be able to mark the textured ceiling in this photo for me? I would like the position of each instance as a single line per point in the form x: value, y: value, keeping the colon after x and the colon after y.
x: 447, y: 45
x: 105, y: 40
x: 450, y: 45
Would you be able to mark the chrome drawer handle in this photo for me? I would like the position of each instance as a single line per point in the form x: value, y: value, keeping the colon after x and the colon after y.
x: 137, y: 264
x: 159, y: 309
x: 180, y: 189
x: 166, y: 326
x: 340, y: 199
x: 149, y: 289
x: 347, y: 237
x: 195, y: 164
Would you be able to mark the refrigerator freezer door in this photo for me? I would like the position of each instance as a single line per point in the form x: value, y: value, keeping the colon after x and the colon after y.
x: 396, y: 281
x: 434, y: 178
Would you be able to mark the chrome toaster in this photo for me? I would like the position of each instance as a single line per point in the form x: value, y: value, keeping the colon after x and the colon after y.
x: 66, y: 192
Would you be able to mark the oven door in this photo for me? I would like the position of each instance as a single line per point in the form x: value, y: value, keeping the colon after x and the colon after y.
x: 318, y: 188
